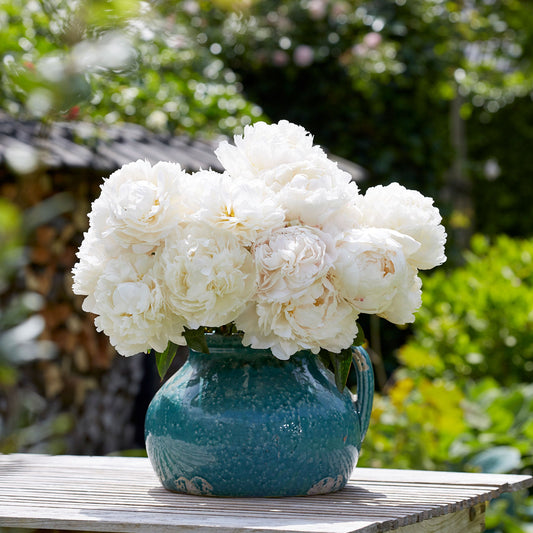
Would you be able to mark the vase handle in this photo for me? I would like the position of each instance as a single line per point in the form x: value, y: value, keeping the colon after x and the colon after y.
x: 365, y: 387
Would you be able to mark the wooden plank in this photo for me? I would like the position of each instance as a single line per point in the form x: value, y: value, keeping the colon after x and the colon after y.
x: 123, y: 494
x: 517, y: 482
x: 163, y: 522
x: 467, y: 521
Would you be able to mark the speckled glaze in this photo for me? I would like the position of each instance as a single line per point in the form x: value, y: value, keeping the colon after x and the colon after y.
x: 239, y: 422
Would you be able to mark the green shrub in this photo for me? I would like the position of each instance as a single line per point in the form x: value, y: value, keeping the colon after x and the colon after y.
x: 414, y: 424
x: 477, y: 320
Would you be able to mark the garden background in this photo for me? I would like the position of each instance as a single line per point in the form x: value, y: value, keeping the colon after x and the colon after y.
x: 434, y: 94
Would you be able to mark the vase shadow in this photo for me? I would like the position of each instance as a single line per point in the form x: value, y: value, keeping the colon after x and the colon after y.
x: 162, y: 510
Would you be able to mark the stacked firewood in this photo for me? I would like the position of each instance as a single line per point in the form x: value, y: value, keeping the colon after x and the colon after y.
x: 86, y: 383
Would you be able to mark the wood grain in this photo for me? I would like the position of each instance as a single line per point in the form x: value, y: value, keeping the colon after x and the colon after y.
x: 466, y: 521
x: 118, y: 494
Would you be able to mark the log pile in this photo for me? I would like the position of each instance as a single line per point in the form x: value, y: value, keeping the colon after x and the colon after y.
x: 86, y: 381
x: 85, y: 400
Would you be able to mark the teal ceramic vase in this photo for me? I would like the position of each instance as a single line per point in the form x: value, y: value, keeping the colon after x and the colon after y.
x: 239, y: 422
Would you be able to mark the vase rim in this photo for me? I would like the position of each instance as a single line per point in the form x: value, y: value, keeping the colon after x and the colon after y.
x: 231, y: 345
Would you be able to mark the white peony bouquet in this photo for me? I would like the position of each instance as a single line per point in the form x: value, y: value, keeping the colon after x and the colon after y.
x: 281, y: 248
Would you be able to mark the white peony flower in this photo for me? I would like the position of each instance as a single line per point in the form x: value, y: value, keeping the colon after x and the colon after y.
x: 131, y: 306
x: 208, y: 274
x: 93, y: 256
x: 282, y: 244
x: 319, y: 318
x: 316, y: 193
x: 311, y: 188
x: 406, y: 301
x: 246, y: 208
x: 372, y: 267
x: 313, y: 173
x: 140, y: 204
x: 266, y: 146
x: 407, y: 211
x: 290, y: 260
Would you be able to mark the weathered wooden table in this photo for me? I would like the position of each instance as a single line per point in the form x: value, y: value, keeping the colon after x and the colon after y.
x: 123, y: 494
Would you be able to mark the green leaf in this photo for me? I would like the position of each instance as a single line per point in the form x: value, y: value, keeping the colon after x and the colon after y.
x: 498, y: 460
x: 341, y: 367
x: 325, y: 359
x: 164, y: 360
x: 360, y: 337
x: 196, y: 339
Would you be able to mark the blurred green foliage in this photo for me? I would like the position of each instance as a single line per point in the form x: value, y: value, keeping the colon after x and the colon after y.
x: 501, y: 170
x: 11, y: 257
x: 113, y: 60
x: 20, y: 326
x: 439, y: 424
x: 414, y: 424
x: 10, y: 241
x: 477, y: 321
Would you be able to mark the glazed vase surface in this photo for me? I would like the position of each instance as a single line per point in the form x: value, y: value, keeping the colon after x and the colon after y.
x: 239, y: 422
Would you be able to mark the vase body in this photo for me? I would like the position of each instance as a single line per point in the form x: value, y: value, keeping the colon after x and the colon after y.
x: 239, y: 422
